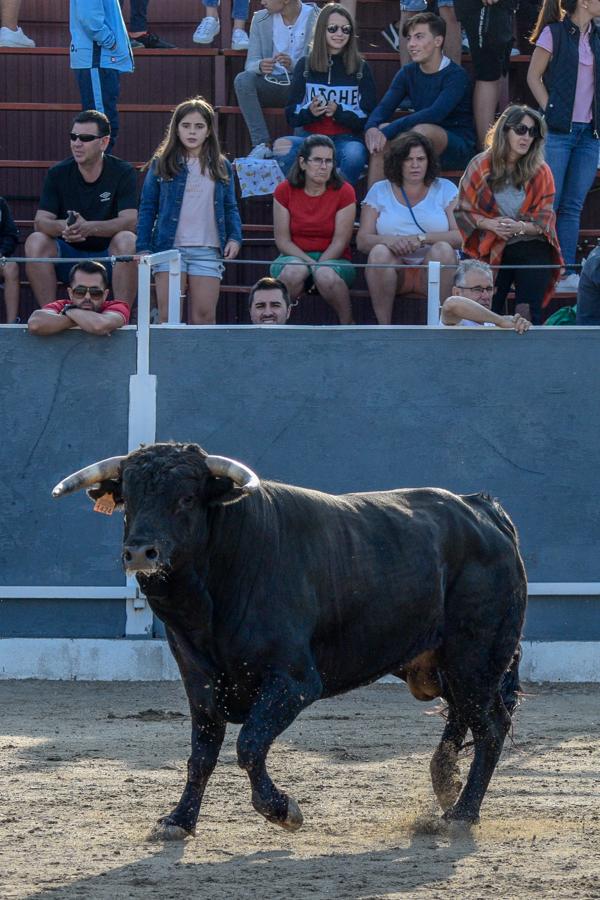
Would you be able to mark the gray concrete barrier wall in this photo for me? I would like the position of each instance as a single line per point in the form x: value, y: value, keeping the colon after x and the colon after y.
x: 335, y: 409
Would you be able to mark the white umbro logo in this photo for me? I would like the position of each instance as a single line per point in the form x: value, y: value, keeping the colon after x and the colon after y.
x: 105, y: 196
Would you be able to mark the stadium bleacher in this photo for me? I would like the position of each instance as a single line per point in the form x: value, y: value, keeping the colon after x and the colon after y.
x: 39, y: 97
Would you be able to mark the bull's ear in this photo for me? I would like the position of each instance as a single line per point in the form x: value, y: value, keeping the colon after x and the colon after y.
x: 220, y: 491
x: 111, y: 487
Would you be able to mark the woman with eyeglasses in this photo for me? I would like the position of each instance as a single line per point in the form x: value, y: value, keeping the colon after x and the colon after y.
x: 332, y: 93
x: 407, y: 220
x: 505, y: 211
x: 313, y: 216
x: 564, y: 78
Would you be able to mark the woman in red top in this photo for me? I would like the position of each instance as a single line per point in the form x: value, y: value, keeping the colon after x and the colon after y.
x: 313, y: 216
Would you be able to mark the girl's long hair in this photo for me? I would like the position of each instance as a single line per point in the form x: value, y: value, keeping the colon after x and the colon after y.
x: 318, y: 56
x: 170, y: 155
x: 551, y: 11
x: 497, y: 142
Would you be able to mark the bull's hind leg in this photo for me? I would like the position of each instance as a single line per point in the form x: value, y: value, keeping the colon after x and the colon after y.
x: 489, y: 722
x: 445, y: 773
x: 281, y: 700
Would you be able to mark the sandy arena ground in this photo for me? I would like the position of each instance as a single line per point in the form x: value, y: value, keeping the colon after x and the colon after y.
x: 86, y: 768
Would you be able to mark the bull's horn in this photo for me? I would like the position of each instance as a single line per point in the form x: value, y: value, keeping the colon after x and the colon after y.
x: 98, y: 471
x: 238, y: 472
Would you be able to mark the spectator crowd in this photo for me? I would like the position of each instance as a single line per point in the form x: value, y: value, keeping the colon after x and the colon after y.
x: 526, y: 171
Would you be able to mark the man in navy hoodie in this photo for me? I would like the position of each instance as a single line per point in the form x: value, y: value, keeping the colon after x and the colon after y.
x: 439, y: 92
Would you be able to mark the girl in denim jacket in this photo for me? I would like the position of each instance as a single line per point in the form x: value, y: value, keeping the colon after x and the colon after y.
x: 188, y: 202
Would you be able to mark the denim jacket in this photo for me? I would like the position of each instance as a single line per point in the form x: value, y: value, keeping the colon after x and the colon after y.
x: 560, y: 77
x: 160, y: 206
x: 98, y: 36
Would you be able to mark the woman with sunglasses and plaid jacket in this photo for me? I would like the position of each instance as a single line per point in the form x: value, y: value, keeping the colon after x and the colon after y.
x: 505, y: 211
x: 332, y: 93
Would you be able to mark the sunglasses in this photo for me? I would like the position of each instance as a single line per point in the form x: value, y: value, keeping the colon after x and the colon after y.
x: 85, y: 138
x: 80, y: 292
x: 345, y: 29
x: 521, y: 129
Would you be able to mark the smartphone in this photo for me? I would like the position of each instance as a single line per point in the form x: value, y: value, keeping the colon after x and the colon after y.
x: 71, y: 216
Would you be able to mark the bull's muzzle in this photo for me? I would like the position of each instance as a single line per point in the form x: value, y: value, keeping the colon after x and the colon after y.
x: 141, y: 558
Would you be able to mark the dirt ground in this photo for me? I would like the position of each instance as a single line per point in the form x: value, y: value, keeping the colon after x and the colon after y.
x: 86, y: 768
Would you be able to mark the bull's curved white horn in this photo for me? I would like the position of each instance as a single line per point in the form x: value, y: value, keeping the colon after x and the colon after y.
x: 98, y: 471
x: 237, y: 471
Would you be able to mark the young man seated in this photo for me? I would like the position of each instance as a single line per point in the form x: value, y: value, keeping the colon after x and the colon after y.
x: 87, y: 307
x: 439, y: 92
x: 471, y: 300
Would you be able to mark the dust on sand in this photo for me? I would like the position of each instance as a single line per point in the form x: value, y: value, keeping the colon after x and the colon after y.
x: 85, y: 769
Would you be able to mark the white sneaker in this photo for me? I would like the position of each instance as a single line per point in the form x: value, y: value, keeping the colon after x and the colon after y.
x: 18, y: 38
x: 239, y: 39
x: 261, y: 151
x: 207, y: 30
x: 568, y: 284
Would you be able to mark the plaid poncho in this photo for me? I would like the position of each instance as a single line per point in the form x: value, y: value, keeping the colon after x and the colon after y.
x: 476, y: 200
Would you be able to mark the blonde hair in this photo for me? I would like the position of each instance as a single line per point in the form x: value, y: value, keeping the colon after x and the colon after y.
x: 318, y: 56
x: 170, y: 155
x: 497, y: 142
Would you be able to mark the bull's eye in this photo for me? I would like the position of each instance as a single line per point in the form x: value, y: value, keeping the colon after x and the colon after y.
x: 187, y: 502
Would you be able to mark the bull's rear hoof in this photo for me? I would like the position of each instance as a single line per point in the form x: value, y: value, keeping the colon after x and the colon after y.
x: 445, y: 776
x: 166, y: 831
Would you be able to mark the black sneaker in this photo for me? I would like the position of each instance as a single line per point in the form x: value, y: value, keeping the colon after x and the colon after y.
x: 149, y: 41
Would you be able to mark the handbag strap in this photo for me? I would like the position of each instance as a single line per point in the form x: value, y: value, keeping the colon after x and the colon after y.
x: 410, y: 209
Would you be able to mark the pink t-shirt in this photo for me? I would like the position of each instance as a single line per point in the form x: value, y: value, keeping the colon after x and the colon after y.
x: 584, y: 91
x: 197, y: 226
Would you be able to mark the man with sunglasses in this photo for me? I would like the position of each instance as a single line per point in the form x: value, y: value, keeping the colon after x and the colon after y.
x: 279, y: 37
x: 471, y: 300
x: 88, y: 209
x: 88, y: 306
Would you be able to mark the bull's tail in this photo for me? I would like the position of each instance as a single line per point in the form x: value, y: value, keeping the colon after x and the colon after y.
x: 510, y: 685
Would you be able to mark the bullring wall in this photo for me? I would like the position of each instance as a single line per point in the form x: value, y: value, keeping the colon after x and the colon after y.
x: 332, y: 408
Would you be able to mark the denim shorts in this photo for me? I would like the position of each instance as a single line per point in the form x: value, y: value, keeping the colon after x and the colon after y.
x: 203, y: 261
x: 458, y: 153
x: 415, y: 6
x: 65, y: 250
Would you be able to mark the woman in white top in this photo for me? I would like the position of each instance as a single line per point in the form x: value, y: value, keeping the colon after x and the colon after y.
x: 408, y: 218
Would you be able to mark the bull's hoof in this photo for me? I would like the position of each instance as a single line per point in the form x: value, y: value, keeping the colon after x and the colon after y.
x: 167, y: 831
x: 294, y: 818
x: 445, y: 776
x: 460, y: 818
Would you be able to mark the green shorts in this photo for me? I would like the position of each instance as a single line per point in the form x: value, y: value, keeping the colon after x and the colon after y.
x: 341, y: 267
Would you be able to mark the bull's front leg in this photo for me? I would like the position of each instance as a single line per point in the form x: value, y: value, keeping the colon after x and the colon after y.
x: 282, y: 699
x: 207, y: 737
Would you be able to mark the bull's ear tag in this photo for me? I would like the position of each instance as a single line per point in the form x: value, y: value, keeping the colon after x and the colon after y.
x: 105, y: 505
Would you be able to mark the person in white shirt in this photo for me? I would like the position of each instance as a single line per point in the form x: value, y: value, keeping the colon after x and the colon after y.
x: 279, y: 37
x: 471, y: 300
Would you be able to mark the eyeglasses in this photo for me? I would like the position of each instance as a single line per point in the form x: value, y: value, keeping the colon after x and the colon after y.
x: 521, y: 129
x: 319, y: 161
x: 345, y: 29
x: 80, y: 292
x: 477, y: 289
x: 84, y: 138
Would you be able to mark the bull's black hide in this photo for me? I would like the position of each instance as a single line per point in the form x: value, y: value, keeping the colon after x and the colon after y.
x: 274, y: 596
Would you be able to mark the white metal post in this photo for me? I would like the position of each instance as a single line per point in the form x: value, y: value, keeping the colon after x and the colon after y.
x: 433, y: 293
x: 174, y: 317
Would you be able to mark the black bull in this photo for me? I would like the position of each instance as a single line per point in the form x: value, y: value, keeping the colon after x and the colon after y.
x: 290, y: 595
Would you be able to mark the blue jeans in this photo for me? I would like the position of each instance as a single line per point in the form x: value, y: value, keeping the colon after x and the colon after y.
x: 573, y: 159
x: 351, y: 154
x: 239, y: 8
x: 138, y: 20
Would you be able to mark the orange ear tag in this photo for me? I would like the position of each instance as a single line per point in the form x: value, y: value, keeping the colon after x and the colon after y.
x: 105, y: 505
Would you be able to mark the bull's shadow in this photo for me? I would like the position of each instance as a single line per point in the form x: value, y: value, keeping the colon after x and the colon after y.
x: 276, y: 873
